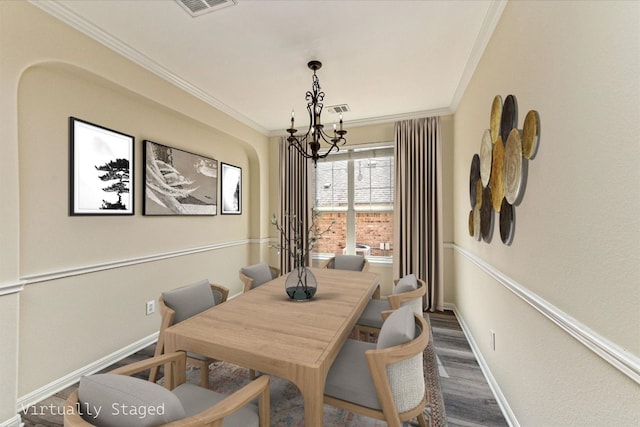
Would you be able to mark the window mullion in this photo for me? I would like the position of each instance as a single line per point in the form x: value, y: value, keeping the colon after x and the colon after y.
x: 351, y: 214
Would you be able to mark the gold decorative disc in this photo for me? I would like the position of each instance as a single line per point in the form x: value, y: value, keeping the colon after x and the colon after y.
x: 512, y: 166
x: 496, y: 115
x: 496, y: 182
x: 530, y: 134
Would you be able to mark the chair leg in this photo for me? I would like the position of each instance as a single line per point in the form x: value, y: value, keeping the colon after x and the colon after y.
x: 422, y: 421
x: 204, y: 372
x: 252, y: 374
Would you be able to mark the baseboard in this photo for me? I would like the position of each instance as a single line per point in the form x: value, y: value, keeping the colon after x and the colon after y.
x: 493, y: 384
x: 16, y: 421
x: 52, y: 388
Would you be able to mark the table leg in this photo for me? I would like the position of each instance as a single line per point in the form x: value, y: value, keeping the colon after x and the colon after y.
x: 312, y: 389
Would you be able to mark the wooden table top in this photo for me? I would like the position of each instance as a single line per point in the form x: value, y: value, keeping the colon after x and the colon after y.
x: 263, y: 328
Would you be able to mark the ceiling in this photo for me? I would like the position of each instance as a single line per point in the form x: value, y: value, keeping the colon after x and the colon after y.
x: 387, y: 60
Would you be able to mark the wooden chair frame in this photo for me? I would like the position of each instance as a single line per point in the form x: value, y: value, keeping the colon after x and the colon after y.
x: 174, y: 366
x: 330, y: 262
x: 395, y: 302
x: 248, y: 281
x: 378, y: 360
x: 167, y: 319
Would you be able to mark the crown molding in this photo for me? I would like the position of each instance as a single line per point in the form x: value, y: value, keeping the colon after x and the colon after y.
x: 70, y: 18
x: 494, y: 12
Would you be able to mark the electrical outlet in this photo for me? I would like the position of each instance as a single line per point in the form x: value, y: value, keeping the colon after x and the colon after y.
x: 151, y: 307
x: 492, y: 339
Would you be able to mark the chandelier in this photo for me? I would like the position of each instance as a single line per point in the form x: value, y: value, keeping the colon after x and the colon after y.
x: 316, y: 133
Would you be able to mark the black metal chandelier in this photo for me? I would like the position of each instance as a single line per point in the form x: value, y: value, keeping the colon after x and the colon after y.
x: 309, y: 144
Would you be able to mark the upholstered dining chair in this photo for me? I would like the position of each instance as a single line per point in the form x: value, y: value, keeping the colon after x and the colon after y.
x: 180, y: 304
x: 408, y: 290
x: 257, y: 274
x: 383, y: 380
x: 117, y: 399
x: 347, y: 262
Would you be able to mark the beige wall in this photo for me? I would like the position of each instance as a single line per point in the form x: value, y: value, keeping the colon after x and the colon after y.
x: 73, y: 289
x: 577, y: 232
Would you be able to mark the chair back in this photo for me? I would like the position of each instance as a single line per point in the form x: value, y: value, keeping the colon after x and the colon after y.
x: 401, y: 387
x: 348, y: 262
x: 190, y: 300
x: 257, y: 274
x: 404, y: 294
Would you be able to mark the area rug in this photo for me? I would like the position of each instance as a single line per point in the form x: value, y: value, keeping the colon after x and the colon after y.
x: 287, y: 404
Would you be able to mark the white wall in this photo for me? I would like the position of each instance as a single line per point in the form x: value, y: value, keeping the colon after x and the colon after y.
x: 73, y: 289
x: 575, y: 251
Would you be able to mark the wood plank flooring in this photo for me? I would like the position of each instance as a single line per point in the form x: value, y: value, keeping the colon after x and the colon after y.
x: 468, y: 400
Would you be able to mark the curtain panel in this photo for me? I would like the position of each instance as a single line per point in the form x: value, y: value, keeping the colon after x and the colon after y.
x: 418, y: 240
x: 295, y: 200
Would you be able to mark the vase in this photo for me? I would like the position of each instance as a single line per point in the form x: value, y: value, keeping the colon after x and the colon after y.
x: 301, y: 284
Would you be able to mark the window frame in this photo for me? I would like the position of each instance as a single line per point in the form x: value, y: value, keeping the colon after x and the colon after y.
x: 352, y: 153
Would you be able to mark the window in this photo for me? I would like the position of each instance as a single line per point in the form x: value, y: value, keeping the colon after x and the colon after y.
x: 354, y: 190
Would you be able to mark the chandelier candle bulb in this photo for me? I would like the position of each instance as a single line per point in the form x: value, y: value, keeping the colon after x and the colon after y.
x: 340, y: 121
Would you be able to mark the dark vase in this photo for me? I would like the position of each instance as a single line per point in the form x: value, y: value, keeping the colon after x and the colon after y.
x: 301, y: 284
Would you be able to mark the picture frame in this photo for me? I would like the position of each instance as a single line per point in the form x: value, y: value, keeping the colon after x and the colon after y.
x: 231, y: 189
x: 178, y: 182
x: 101, y: 170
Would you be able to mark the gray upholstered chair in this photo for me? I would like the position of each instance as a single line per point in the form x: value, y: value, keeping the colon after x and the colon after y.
x: 258, y: 274
x: 180, y: 304
x: 408, y: 290
x: 347, y: 262
x: 123, y: 398
x: 383, y: 380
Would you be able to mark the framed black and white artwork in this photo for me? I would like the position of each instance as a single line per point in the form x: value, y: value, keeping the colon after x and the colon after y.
x: 231, y: 185
x: 101, y: 170
x: 177, y: 182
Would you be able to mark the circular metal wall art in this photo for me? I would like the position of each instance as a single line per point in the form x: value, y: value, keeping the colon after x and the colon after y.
x: 474, y: 177
x: 471, y: 223
x: 476, y: 223
x: 496, y: 116
x: 530, y: 134
x: 496, y: 182
x: 509, y: 118
x: 486, y: 149
x: 486, y: 214
x: 512, y: 166
x: 506, y: 222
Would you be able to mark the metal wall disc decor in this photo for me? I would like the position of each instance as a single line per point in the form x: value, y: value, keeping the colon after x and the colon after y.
x: 499, y: 174
x: 474, y: 177
x: 476, y: 223
x: 530, y: 134
x: 496, y: 115
x: 506, y: 222
x: 509, y: 118
x: 496, y: 182
x: 486, y: 214
x: 486, y: 149
x: 512, y: 166
x: 471, y: 223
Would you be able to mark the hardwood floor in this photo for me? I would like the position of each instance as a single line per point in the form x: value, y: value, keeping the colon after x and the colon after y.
x: 468, y: 400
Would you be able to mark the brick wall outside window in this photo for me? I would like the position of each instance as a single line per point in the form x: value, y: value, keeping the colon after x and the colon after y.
x: 372, y: 228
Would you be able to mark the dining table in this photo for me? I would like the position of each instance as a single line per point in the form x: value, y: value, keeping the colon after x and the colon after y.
x: 264, y: 330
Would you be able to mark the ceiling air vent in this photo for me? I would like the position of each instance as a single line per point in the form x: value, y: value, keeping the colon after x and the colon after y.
x: 200, y: 7
x: 338, y: 109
